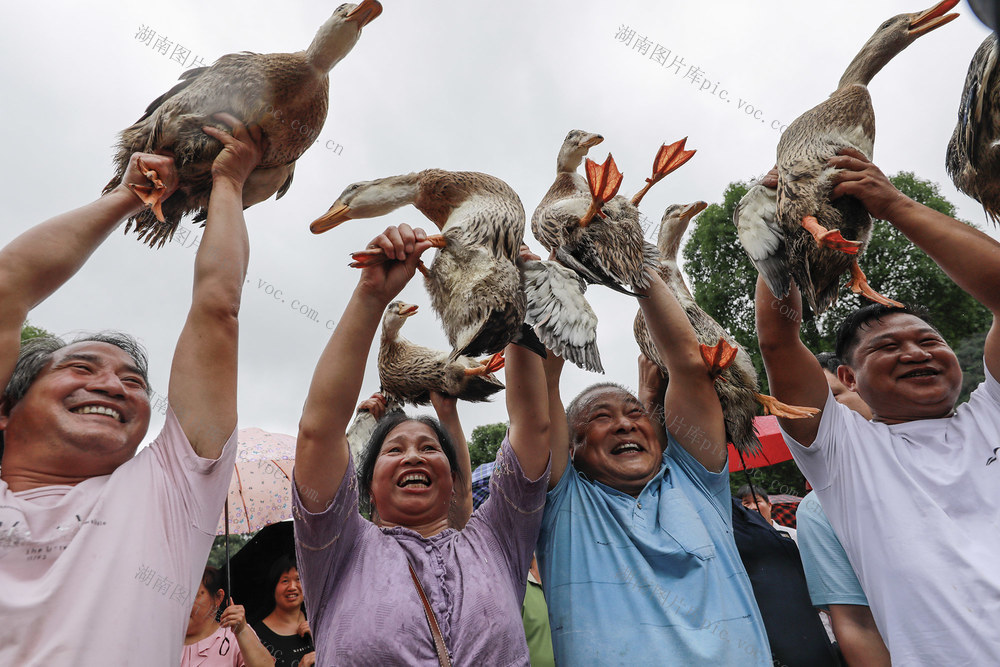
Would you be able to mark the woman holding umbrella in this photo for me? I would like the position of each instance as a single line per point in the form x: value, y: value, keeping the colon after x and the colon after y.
x: 406, y: 588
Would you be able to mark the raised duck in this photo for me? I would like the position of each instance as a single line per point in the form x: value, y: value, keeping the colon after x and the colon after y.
x: 287, y: 94
x: 474, y: 283
x: 973, y: 160
x: 822, y: 238
x: 736, y: 381
x: 589, y: 228
x: 410, y: 372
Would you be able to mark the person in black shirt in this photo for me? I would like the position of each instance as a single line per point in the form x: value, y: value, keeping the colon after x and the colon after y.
x: 285, y: 631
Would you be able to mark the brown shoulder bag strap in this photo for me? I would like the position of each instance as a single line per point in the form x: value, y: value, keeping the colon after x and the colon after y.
x: 439, y: 645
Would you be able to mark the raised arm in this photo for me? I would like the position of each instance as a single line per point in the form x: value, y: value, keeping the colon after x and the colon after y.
x: 967, y: 255
x: 858, y: 637
x: 446, y: 408
x: 528, y: 409
x: 558, y: 426
x: 321, y: 452
x: 202, y: 391
x: 652, y: 393
x: 691, y: 408
x: 793, y: 374
x: 40, y: 260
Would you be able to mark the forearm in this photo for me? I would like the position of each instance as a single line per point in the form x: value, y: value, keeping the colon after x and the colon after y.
x: 220, y: 266
x: 558, y: 427
x: 671, y: 332
x: 967, y: 255
x: 253, y: 651
x: 528, y: 409
x: 448, y: 416
x: 858, y: 637
x: 44, y: 257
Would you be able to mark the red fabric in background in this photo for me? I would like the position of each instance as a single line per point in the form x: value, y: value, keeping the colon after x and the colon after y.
x: 773, y: 447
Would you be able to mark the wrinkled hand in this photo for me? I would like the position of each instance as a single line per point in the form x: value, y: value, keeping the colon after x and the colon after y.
x: 403, y: 246
x: 235, y: 617
x: 652, y: 385
x: 308, y: 660
x: 303, y: 628
x: 241, y: 151
x: 444, y: 405
x: 861, y: 179
x: 376, y: 405
x: 770, y: 179
x: 163, y: 165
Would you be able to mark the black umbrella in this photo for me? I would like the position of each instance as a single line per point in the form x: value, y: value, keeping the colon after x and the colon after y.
x: 250, y: 566
x: 988, y: 11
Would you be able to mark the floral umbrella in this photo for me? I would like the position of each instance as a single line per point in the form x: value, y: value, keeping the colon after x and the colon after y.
x: 260, y: 491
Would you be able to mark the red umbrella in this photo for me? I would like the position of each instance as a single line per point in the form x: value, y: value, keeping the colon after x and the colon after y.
x: 773, y: 448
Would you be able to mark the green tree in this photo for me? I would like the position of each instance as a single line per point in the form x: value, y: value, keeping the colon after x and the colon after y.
x: 722, y: 277
x: 28, y: 332
x: 485, y: 442
x: 217, y: 556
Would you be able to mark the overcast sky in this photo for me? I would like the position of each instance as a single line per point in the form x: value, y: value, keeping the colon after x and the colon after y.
x: 490, y: 87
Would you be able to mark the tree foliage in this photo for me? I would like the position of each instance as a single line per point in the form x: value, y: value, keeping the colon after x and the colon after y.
x: 485, y: 442
x: 28, y: 332
x: 722, y: 277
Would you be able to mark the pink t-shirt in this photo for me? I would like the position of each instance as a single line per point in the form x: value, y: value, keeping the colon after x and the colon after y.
x: 219, y: 649
x: 104, y: 572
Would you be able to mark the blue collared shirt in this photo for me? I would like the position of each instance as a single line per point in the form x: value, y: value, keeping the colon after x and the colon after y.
x: 651, y: 580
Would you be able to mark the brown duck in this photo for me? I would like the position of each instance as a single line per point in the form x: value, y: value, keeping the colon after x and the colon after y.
x: 286, y: 93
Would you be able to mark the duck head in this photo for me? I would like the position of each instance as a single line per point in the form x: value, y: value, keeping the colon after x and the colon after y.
x: 340, y: 33
x: 673, y: 224
x: 892, y: 37
x: 396, y: 313
x: 368, y: 199
x: 574, y: 149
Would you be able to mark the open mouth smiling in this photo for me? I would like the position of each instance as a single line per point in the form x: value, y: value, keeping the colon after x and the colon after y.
x: 627, y: 448
x: 920, y: 373
x: 98, y: 410
x: 418, y: 479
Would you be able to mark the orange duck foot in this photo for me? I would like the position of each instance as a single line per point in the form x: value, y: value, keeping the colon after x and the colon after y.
x: 829, y: 238
x: 491, y: 365
x: 773, y: 406
x: 604, y: 181
x: 151, y: 195
x: 375, y: 256
x: 859, y: 285
x: 668, y: 158
x: 718, y: 357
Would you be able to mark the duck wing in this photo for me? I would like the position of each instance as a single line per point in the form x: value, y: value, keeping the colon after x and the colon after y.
x: 559, y: 313
x: 756, y: 220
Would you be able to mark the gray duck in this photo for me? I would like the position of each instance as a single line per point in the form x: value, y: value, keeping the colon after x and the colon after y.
x: 973, y: 160
x: 410, y: 372
x: 474, y: 283
x: 588, y: 227
x: 736, y: 378
x: 822, y: 238
x: 287, y: 94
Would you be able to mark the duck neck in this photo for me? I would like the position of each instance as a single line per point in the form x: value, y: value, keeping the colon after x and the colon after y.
x: 332, y: 42
x: 569, y: 160
x: 669, y: 240
x: 873, y: 56
x: 392, y: 193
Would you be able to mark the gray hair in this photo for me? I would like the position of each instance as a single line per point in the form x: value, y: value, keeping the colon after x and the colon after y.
x: 580, y: 405
x: 37, y: 352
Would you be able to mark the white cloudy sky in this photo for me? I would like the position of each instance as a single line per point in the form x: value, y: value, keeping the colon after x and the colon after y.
x: 460, y: 85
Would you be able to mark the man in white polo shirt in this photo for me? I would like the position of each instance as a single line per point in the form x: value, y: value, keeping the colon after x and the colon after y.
x: 913, y: 494
x: 101, y: 550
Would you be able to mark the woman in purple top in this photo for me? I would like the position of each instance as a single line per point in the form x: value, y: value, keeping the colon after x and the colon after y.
x: 364, y: 608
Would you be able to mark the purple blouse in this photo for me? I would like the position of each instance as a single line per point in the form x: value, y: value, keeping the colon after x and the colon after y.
x: 363, y: 607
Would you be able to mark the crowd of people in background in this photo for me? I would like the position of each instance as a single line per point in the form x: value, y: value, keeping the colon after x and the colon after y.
x: 607, y: 537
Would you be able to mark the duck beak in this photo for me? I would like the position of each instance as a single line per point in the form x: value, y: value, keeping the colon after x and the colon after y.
x: 933, y: 18
x: 365, y: 13
x: 337, y: 214
x: 692, y: 210
x: 592, y: 141
x: 406, y: 310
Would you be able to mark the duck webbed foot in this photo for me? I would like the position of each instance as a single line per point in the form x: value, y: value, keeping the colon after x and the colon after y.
x: 718, y: 357
x: 374, y: 256
x: 773, y: 406
x: 152, y: 194
x: 668, y: 159
x: 859, y: 285
x: 491, y: 365
x: 604, y: 181
x: 829, y: 238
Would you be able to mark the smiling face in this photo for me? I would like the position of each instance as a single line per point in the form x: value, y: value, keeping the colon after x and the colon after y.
x: 614, y: 441
x: 288, y: 591
x: 412, y: 480
x: 903, y: 369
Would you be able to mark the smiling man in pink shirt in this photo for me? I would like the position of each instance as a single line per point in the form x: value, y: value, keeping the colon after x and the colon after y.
x: 101, y: 549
